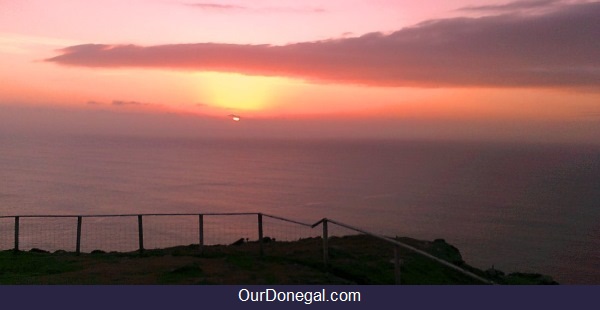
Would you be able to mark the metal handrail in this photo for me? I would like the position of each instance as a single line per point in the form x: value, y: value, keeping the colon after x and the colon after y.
x: 408, y: 247
x: 287, y: 220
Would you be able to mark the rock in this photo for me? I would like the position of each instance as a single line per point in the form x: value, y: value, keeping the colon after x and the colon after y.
x: 268, y: 239
x: 494, y: 273
x: 36, y: 250
x: 446, y: 251
x: 529, y: 278
x: 239, y: 242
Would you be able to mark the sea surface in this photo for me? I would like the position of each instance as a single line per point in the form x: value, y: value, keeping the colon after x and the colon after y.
x: 515, y: 206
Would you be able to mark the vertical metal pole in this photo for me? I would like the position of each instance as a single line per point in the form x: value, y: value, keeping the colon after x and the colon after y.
x: 141, y: 233
x: 325, y: 244
x: 16, y: 234
x: 78, y: 245
x: 260, y: 234
x: 397, y: 264
x: 201, y: 232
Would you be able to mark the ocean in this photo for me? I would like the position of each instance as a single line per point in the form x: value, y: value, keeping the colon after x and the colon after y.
x: 515, y: 206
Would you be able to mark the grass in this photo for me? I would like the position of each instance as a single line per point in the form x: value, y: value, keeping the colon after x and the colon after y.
x: 352, y: 260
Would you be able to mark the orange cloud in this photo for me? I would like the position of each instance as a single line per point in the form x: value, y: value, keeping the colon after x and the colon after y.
x: 557, y: 48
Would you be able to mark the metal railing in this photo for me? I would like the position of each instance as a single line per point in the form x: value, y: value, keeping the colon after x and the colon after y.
x: 397, y: 244
x: 259, y: 230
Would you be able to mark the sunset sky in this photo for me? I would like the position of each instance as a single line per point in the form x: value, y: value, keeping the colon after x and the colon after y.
x: 487, y: 69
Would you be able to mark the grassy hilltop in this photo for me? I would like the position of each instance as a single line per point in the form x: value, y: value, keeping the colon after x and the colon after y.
x: 353, y: 260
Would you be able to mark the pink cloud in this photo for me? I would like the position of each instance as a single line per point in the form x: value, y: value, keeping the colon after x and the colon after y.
x: 558, y: 48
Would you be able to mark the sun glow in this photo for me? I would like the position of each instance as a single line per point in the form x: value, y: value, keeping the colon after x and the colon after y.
x: 236, y: 91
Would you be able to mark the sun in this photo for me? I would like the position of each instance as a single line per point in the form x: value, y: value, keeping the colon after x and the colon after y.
x: 236, y: 91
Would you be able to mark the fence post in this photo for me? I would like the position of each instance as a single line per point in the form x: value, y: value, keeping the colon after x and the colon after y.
x: 260, y: 234
x: 141, y: 233
x: 201, y: 232
x: 16, y: 234
x: 78, y: 245
x: 325, y: 243
x: 397, y: 264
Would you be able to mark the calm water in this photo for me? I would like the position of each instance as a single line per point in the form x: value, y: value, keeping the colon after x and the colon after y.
x: 516, y: 206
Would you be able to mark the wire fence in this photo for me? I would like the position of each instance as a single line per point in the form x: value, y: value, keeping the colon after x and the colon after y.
x: 141, y: 232
x: 130, y: 232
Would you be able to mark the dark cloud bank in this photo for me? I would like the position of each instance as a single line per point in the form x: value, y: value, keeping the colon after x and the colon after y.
x: 556, y: 48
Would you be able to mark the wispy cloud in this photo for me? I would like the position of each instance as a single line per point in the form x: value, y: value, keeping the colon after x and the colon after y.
x: 216, y: 6
x: 209, y: 6
x: 12, y: 43
x: 558, y: 48
x: 122, y: 103
x: 513, y: 6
